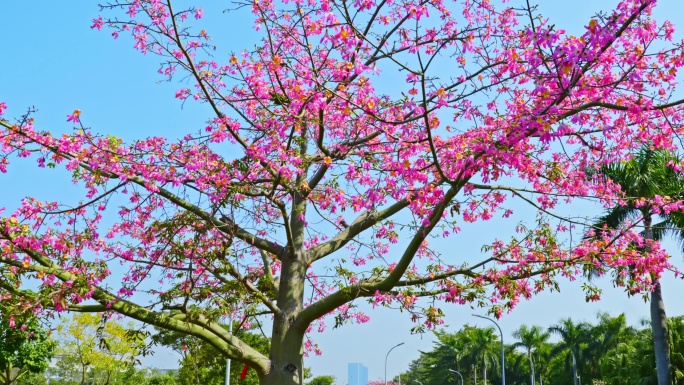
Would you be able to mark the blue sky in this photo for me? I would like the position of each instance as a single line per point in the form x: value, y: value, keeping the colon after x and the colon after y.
x: 55, y: 62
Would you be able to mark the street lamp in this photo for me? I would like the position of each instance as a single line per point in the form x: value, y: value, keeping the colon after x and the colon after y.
x: 230, y: 331
x: 459, y: 374
x: 503, y: 365
x: 399, y: 344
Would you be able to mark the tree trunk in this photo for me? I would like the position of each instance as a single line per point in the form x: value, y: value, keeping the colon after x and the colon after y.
x: 83, y: 374
x: 484, y: 370
x: 529, y: 357
x: 574, y: 368
x: 287, y: 338
x: 661, y: 336
x: 287, y: 344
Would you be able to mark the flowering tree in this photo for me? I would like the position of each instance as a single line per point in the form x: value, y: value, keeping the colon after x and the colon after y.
x: 341, y: 148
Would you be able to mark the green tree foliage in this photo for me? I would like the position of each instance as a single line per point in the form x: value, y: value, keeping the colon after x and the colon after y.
x: 322, y: 380
x: 95, y: 350
x: 25, y: 347
x: 607, y: 335
x: 531, y: 339
x: 202, y: 364
x: 481, y: 347
x: 163, y: 379
x: 631, y: 361
x: 574, y: 339
x: 608, y: 352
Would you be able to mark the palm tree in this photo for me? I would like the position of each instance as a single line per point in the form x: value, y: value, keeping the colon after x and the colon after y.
x: 443, y: 357
x: 647, y: 175
x: 574, y: 338
x: 609, y: 333
x: 480, y: 343
x: 620, y: 364
x: 676, y: 328
x: 543, y: 353
x: 530, y: 340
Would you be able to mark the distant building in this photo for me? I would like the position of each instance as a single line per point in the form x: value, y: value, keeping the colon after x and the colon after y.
x: 357, y: 374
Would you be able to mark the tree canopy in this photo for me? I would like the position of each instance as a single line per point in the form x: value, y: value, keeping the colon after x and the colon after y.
x: 607, y: 351
x: 342, y: 156
x: 25, y: 347
x: 95, y: 349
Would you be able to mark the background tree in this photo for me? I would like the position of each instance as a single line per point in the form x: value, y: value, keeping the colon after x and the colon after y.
x: 530, y: 339
x: 607, y: 335
x: 337, y: 150
x: 574, y: 340
x: 632, y: 362
x: 33, y: 379
x: 625, y: 355
x: 675, y: 326
x: 163, y: 379
x: 648, y: 175
x: 544, y: 352
x: 25, y: 347
x: 517, y: 368
x: 96, y: 350
x: 433, y: 368
x: 618, y: 364
x: 322, y: 380
x: 202, y: 363
x: 482, y: 347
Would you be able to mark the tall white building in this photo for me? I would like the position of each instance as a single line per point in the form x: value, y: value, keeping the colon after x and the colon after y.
x: 357, y: 374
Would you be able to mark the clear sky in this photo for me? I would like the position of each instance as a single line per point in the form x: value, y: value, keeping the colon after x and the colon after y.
x: 52, y: 60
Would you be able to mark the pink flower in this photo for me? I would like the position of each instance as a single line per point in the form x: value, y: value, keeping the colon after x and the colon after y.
x: 97, y: 23
x: 75, y: 117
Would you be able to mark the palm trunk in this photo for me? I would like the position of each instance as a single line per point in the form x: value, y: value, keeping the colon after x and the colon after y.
x: 661, y: 344
x: 484, y: 370
x: 661, y: 336
x: 529, y: 357
x: 574, y: 368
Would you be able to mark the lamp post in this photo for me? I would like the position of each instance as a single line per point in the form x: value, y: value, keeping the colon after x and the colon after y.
x: 503, y: 365
x: 399, y: 344
x: 459, y: 374
x: 230, y: 331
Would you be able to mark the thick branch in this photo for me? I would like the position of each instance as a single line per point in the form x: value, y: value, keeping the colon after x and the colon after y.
x: 339, y: 298
x: 364, y: 221
x: 216, y: 336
